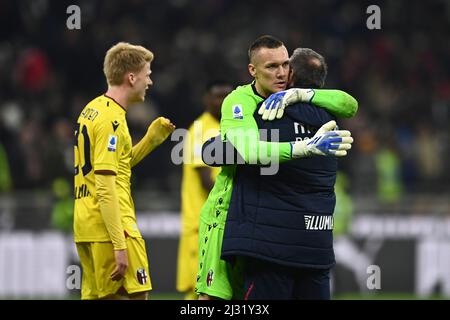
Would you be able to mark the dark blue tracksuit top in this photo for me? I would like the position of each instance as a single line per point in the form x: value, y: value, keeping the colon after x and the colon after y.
x: 285, y: 218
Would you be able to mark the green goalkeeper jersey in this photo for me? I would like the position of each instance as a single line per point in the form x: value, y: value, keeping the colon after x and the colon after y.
x: 238, y: 126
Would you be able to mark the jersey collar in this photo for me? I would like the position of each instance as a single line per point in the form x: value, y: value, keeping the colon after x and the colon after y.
x: 115, y: 102
x: 256, y: 92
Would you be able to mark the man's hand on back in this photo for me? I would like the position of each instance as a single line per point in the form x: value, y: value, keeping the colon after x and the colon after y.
x: 273, y: 107
x: 326, y: 142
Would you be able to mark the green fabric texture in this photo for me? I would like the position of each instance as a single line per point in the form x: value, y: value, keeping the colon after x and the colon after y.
x: 336, y: 102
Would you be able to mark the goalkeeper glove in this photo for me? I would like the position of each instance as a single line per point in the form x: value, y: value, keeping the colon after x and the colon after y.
x: 325, y: 142
x: 274, y: 105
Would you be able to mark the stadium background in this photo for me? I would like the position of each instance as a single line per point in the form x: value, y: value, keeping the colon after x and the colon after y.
x: 396, y: 176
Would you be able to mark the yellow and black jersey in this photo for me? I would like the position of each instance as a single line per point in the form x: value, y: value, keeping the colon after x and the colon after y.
x: 102, y: 142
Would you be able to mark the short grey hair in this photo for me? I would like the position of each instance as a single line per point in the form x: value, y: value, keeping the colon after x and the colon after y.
x: 309, y: 68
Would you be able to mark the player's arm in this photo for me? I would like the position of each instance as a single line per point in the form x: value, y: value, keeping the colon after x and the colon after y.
x: 239, y: 127
x: 108, y: 200
x: 336, y: 102
x: 326, y: 142
x: 157, y: 133
x: 108, y: 147
x: 217, y: 153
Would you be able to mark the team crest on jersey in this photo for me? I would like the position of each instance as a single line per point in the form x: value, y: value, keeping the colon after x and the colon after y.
x: 141, y: 276
x: 237, y: 112
x: 209, y: 278
x: 112, y: 143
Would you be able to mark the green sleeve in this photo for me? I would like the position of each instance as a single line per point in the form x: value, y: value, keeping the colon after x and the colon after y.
x: 336, y: 102
x: 238, y: 126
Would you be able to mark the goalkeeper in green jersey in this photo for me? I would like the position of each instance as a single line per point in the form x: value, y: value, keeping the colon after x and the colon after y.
x: 269, y: 66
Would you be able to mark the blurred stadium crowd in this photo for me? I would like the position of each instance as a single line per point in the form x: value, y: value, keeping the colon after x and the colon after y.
x: 399, y: 75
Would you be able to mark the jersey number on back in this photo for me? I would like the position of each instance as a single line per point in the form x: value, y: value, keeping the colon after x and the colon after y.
x: 84, y: 152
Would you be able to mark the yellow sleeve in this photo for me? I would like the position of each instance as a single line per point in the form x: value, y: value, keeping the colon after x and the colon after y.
x: 142, y: 149
x: 199, y: 133
x: 157, y: 132
x: 108, y: 200
x: 107, y: 143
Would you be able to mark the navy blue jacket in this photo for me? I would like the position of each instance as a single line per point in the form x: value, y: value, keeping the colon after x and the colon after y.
x: 285, y: 218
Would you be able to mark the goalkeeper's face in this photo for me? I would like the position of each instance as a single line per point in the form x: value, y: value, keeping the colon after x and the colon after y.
x: 270, y: 68
x: 141, y: 83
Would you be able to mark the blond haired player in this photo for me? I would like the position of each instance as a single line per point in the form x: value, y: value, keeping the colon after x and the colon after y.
x: 111, y: 249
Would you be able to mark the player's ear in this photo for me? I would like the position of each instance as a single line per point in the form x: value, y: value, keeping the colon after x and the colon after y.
x: 291, y: 78
x: 252, y: 70
x: 131, y: 78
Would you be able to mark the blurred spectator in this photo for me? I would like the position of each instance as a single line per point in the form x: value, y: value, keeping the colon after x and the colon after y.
x: 5, y: 175
x: 429, y: 165
x: 389, y: 184
x: 62, y: 213
x: 399, y: 75
x: 32, y: 70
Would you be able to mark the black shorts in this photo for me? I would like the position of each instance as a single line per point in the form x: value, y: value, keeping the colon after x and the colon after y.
x: 268, y: 281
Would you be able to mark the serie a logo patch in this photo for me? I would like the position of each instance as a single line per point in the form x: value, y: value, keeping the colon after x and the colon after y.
x: 112, y: 143
x: 237, y: 112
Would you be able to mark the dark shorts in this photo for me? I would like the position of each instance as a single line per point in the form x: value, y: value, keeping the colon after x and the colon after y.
x: 268, y: 281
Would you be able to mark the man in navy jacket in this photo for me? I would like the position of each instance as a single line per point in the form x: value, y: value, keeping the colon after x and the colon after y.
x: 281, y: 226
